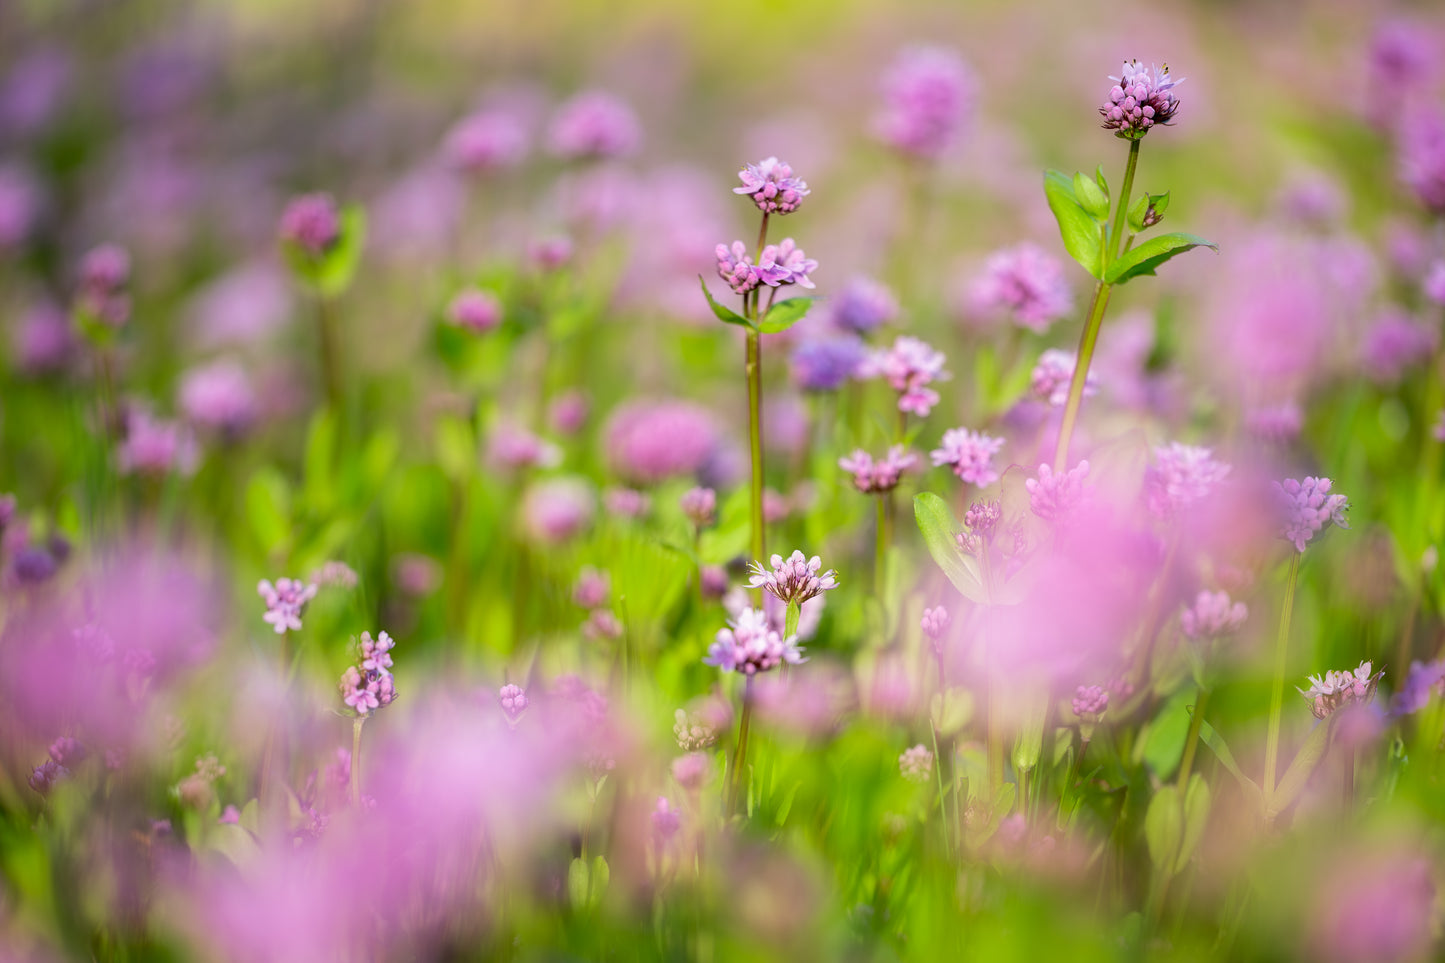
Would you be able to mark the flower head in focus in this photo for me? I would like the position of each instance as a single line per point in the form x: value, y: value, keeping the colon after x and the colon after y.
x: 750, y: 645
x: 1307, y: 506
x: 883, y: 475
x: 772, y: 186
x: 368, y: 684
x: 910, y: 366
x: 1140, y: 98
x: 794, y: 579
x: 916, y: 763
x: 1336, y: 689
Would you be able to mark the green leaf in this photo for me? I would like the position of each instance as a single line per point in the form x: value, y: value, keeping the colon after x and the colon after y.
x: 1030, y: 743
x: 1164, y: 827
x: 1099, y: 179
x: 724, y: 314
x: 1297, y: 776
x: 1216, y: 743
x: 268, y: 509
x: 1147, y: 257
x: 234, y: 843
x: 1196, y: 814
x: 1079, y: 231
x: 939, y: 527
x: 784, y: 314
x: 1090, y: 197
x: 456, y: 449
x: 1137, y: 210
x: 338, y: 265
x: 1165, y: 742
x: 319, y: 489
x: 577, y: 877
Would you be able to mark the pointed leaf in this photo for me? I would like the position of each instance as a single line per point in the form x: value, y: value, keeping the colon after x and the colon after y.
x: 1079, y: 231
x: 1164, y: 827
x: 1030, y: 743
x: 939, y: 527
x: 1137, y: 210
x: 1297, y: 776
x: 722, y: 313
x: 784, y: 314
x: 1090, y: 197
x: 1099, y: 179
x: 1196, y: 814
x: 1147, y: 257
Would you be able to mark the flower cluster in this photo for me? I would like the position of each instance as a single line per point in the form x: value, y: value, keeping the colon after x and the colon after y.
x: 219, y: 396
x: 779, y: 264
x: 1023, y: 283
x: 514, y: 701
x: 934, y: 622
x: 794, y: 579
x: 927, y: 93
x: 1054, y: 497
x: 104, y: 275
x: 486, y: 141
x: 916, y: 764
x: 772, y: 186
x: 1181, y: 476
x: 1308, y: 506
x: 700, y: 506
x: 155, y: 446
x: 1213, y: 615
x: 1424, y: 680
x: 368, y: 685
x: 475, y: 310
x: 695, y: 731
x: 863, y: 305
x: 749, y: 644
x: 311, y: 223
x: 285, y: 601
x: 1337, y: 689
x: 593, y: 125
x: 980, y: 522
x: 1140, y: 98
x: 910, y: 366
x: 873, y: 477
x: 1052, y: 375
x: 970, y: 454
x: 823, y: 364
x: 1090, y: 702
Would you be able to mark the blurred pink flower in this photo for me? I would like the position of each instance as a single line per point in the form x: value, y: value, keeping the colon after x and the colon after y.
x: 648, y: 441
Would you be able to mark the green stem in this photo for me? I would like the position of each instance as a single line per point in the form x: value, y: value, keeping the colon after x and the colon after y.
x: 330, y: 354
x: 740, y: 753
x: 794, y: 615
x: 1191, y: 741
x: 356, y: 725
x: 995, y: 738
x: 755, y: 442
x: 1095, y: 319
x: 942, y: 793
x: 1276, y: 697
x: 880, y: 545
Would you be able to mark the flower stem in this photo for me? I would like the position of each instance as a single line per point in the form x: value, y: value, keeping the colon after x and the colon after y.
x: 740, y: 753
x: 880, y: 545
x: 942, y: 793
x: 792, y: 618
x: 356, y: 725
x: 1191, y: 741
x: 1276, y: 697
x: 1096, y: 315
x: 330, y: 358
x: 755, y: 441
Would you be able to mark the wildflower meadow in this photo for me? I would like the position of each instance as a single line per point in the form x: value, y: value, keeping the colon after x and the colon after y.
x: 861, y: 482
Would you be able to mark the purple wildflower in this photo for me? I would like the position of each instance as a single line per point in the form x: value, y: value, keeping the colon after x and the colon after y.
x: 594, y: 124
x: 1181, y: 476
x: 1140, y: 98
x: 666, y: 821
x: 928, y: 93
x: 368, y: 685
x: 511, y: 446
x: 486, y: 141
x: 970, y: 453
x: 45, y: 776
x: 785, y: 263
x: 1025, y: 284
x: 514, y: 701
x: 602, y: 624
x: 1402, y: 56
x: 863, y: 305
x: 43, y: 340
x: 153, y: 446
x: 772, y: 186
x: 33, y: 565
x: 691, y: 770
x: 1308, y: 506
x: 1337, y: 689
x: 934, y: 622
x: 1422, y: 157
x: 67, y: 752
x: 104, y: 275
x: 872, y: 477
x: 312, y: 223
x: 1090, y: 702
x: 475, y: 310
x: 823, y: 364
x: 1276, y: 423
x: 1054, y: 497
x: 650, y: 441
x: 1394, y: 343
x: 1424, y: 680
x: 735, y: 266
x: 794, y: 579
x: 219, y: 396
x: 700, y: 506
x: 592, y: 588
x: 916, y: 763
x: 550, y: 253
x: 285, y: 601
x: 909, y: 366
x: 621, y: 502
x: 1213, y: 615
x: 1052, y: 375
x: 557, y: 509
x: 750, y: 645
x: 1433, y: 287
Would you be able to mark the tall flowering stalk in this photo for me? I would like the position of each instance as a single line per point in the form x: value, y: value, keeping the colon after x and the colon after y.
x: 774, y: 189
x: 1141, y: 98
x: 366, y: 687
